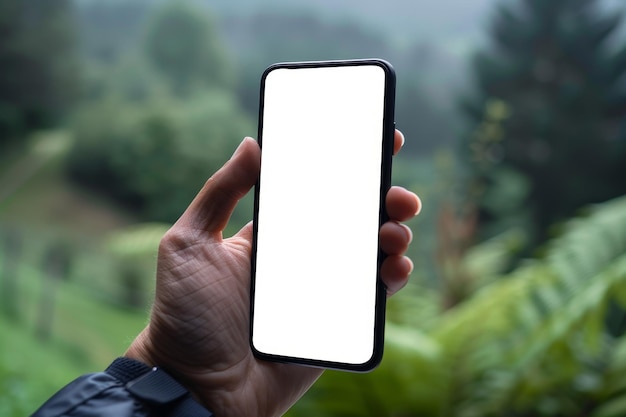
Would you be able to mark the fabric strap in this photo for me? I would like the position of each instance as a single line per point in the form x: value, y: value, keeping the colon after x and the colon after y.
x: 156, y: 388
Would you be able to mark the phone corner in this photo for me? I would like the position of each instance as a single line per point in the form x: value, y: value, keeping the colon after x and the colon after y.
x: 258, y: 353
x: 371, y: 364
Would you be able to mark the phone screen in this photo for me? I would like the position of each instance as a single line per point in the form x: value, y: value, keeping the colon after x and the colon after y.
x: 326, y: 133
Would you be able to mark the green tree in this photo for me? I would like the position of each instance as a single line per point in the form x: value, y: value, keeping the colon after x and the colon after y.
x: 160, y: 118
x: 555, y: 76
x: 153, y: 158
x: 38, y: 62
x: 182, y: 44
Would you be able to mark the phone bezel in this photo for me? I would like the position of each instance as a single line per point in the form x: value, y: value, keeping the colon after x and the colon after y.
x: 385, y: 172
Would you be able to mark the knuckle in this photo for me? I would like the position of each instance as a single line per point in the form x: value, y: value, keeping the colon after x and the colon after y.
x: 175, y: 240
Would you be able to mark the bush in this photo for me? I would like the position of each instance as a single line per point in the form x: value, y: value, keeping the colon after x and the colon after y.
x: 547, y: 339
x: 153, y: 158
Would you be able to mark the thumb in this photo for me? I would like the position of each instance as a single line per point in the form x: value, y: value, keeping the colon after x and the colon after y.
x: 214, y: 204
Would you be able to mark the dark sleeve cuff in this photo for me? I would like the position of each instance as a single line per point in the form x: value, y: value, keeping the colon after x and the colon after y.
x: 126, y: 369
x: 156, y: 388
x: 127, y: 388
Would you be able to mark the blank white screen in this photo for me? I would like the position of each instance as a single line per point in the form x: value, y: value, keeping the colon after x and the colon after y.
x: 318, y: 218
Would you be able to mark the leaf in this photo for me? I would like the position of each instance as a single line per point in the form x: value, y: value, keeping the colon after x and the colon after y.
x: 527, y: 337
x: 614, y: 408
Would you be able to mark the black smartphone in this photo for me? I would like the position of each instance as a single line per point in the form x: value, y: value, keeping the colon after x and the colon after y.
x: 326, y: 134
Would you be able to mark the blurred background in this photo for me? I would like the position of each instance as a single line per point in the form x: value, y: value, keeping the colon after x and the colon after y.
x: 114, y: 112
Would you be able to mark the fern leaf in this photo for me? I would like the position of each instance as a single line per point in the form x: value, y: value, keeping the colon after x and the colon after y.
x: 542, y: 328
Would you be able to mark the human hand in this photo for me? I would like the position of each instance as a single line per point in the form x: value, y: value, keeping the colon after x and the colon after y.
x: 198, y: 329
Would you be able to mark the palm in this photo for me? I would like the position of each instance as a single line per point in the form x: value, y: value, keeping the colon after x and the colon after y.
x: 210, y: 338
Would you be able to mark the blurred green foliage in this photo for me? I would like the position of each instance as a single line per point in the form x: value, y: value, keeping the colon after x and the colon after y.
x: 38, y: 64
x: 548, y: 112
x: 547, y: 339
x: 183, y: 45
x: 87, y: 324
x: 158, y: 123
x: 154, y: 158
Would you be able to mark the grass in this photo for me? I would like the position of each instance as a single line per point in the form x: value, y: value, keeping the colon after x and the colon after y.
x: 45, y: 200
x: 86, y: 332
x: 30, y: 371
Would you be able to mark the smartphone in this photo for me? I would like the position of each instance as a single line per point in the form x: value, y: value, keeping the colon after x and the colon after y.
x: 326, y: 134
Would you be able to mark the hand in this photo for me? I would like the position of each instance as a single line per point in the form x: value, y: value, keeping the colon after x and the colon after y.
x: 198, y: 329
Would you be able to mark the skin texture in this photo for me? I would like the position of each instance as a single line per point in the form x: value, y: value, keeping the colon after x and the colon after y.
x: 198, y: 329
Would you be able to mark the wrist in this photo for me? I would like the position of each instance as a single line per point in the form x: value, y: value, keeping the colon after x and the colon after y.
x: 221, y: 391
x: 155, y: 389
x: 221, y: 401
x: 139, y: 350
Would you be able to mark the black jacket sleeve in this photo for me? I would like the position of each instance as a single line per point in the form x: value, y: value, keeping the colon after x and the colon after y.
x: 126, y: 389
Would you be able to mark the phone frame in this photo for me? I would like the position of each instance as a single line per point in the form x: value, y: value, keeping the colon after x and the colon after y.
x: 387, y: 145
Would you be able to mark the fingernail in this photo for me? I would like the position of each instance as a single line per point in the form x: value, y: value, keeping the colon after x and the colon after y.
x: 402, y: 136
x: 239, y: 147
x: 409, y: 232
x: 419, y: 205
x: 410, y: 265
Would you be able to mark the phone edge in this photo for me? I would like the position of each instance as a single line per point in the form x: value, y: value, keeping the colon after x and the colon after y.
x: 386, y: 170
